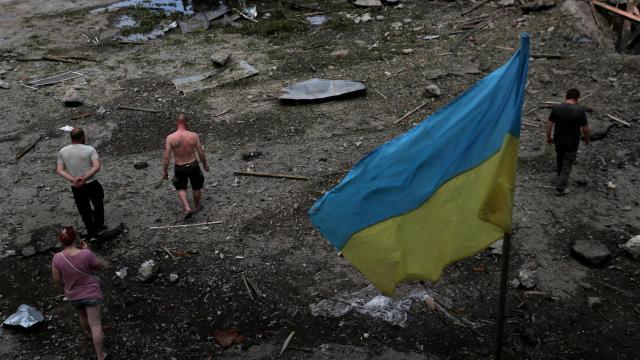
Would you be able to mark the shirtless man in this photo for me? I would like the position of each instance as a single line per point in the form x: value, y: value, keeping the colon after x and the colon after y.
x: 184, y: 144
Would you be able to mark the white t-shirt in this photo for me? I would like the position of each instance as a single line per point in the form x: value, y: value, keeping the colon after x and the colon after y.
x: 77, y: 159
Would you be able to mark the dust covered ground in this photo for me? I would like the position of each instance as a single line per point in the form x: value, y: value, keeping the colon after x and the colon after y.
x: 265, y: 234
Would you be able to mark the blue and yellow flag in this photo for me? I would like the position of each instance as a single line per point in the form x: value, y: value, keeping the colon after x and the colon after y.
x: 439, y: 193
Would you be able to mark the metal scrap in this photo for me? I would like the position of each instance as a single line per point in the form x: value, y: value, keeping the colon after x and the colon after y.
x: 321, y: 89
x: 55, y: 79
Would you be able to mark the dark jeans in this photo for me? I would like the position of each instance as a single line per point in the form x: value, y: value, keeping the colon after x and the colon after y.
x: 564, y: 162
x: 85, y: 196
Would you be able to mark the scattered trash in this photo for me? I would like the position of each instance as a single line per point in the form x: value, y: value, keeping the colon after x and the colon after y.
x: 122, y: 273
x: 173, y: 277
x: 428, y: 37
x: 166, y: 6
x: 66, y: 128
x: 591, y: 252
x: 286, y: 343
x: 394, y: 311
x: 71, y: 98
x: 147, y: 270
x: 26, y: 317
x: 320, y: 89
x: 226, y: 338
x: 317, y: 20
x: 139, y: 165
x: 633, y: 247
x: 198, y: 23
x: 237, y: 71
x: 55, y: 79
x: 432, y: 91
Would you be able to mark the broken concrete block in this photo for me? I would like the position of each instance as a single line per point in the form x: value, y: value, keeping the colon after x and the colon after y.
x: 220, y: 59
x: 632, y: 247
x: 591, y: 252
x: 71, y: 98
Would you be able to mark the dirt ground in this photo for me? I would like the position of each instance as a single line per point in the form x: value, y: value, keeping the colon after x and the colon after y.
x: 265, y: 234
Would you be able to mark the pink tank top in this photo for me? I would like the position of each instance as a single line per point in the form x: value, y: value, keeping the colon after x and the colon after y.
x: 79, y: 283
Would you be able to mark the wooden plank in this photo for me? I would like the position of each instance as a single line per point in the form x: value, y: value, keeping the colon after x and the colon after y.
x: 617, y: 11
x: 25, y: 151
x: 618, y: 120
x: 269, y: 175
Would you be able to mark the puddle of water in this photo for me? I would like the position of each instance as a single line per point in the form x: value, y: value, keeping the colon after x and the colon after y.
x: 166, y: 6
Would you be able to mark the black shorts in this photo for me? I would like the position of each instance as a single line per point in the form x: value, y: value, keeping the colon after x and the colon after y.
x: 188, y: 172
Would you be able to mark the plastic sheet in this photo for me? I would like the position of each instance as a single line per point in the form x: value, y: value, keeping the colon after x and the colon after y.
x: 321, y: 89
x: 26, y: 317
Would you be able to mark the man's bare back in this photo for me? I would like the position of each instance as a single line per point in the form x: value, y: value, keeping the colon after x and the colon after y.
x: 184, y: 144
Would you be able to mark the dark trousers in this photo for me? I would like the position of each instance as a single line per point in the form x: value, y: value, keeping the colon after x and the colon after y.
x: 85, y: 196
x: 564, y: 162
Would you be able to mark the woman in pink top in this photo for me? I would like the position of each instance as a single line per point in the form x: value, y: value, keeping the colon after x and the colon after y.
x: 72, y: 269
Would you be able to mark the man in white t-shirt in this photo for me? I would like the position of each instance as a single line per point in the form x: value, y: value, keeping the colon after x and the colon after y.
x: 78, y: 163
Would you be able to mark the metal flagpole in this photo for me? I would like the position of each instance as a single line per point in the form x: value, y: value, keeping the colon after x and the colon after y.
x: 504, y: 274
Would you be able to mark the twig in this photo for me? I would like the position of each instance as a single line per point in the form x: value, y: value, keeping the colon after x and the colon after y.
x: 261, y: 174
x: 170, y: 254
x: 481, y: 3
x: 185, y: 225
x: 396, y: 73
x: 381, y: 94
x: 138, y: 109
x: 374, y: 45
x: 25, y: 151
x: 29, y: 87
x: 222, y: 113
x: 411, y: 112
x: 286, y: 343
x: 52, y: 58
x: 473, y: 31
x: 248, y: 289
x: 81, y: 116
x: 618, y: 120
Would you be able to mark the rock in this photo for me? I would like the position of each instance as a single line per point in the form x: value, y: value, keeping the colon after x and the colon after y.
x: 101, y: 110
x: 141, y: 165
x: 340, y: 53
x: 379, y: 17
x: 527, y: 278
x: 366, y: 17
x: 4, y: 85
x: 407, y: 20
x: 434, y: 74
x: 29, y: 251
x: 147, y: 270
x: 173, y: 277
x: 591, y: 252
x: 407, y: 51
x: 496, y: 247
x: 220, y: 59
x: 633, y: 247
x: 515, y: 283
x: 71, y: 98
x: 396, y: 25
x: 505, y: 3
x: 357, y: 19
x: 594, y: 301
x: 367, y: 3
x: 45, y: 238
x: 432, y: 91
x: 544, y: 78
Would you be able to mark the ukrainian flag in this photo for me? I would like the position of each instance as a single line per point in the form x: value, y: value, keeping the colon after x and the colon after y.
x: 439, y: 193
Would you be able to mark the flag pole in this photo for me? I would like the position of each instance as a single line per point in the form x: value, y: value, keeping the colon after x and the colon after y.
x: 504, y: 274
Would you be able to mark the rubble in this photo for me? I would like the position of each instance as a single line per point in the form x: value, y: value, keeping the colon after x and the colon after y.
x: 4, y: 84
x: 432, y: 91
x: 220, y: 59
x: 632, y: 247
x: 527, y: 278
x: 591, y: 252
x: 71, y: 98
x: 173, y: 277
x: 147, y: 270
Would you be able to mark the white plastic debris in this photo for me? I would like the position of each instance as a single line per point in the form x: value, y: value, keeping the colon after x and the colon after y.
x: 26, y: 317
x: 66, y: 128
x: 122, y: 273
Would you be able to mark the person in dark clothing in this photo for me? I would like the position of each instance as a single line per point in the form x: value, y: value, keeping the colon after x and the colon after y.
x: 79, y: 164
x: 565, y: 122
